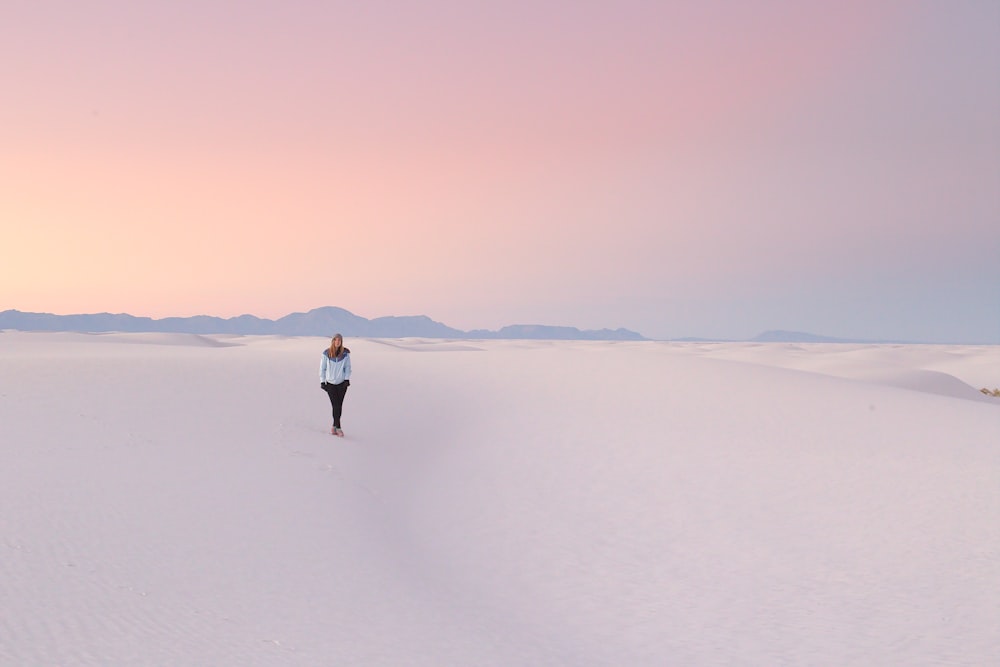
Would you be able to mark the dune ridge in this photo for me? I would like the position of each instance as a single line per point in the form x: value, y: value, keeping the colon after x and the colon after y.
x: 545, y: 503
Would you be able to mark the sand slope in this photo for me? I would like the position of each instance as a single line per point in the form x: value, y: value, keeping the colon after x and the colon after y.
x: 173, y: 499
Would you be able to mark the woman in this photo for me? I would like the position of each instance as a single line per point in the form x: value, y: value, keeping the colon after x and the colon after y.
x: 335, y: 378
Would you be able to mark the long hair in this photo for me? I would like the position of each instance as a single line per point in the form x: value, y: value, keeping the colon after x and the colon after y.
x: 335, y: 351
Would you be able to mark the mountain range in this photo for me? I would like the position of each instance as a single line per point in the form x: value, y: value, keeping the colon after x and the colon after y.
x: 328, y: 320
x: 323, y: 321
x: 782, y: 336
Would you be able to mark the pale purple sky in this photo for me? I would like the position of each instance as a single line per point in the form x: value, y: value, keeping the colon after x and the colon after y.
x: 676, y: 168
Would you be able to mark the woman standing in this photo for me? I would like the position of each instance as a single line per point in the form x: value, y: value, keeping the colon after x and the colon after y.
x: 335, y: 378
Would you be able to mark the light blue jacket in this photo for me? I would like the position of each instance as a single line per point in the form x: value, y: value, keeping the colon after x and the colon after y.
x: 335, y: 369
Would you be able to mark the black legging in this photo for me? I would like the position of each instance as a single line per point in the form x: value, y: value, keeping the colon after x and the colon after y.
x: 336, y: 392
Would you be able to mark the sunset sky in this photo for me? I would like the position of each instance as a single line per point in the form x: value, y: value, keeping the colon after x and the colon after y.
x: 677, y: 168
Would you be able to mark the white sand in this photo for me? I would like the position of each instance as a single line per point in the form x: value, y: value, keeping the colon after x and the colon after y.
x: 178, y: 500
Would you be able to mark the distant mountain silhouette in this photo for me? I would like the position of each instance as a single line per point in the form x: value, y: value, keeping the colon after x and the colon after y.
x: 328, y: 320
x: 317, y: 322
x: 779, y: 336
x: 542, y: 332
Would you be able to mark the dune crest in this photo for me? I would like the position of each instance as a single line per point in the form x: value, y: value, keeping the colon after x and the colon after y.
x: 534, y: 503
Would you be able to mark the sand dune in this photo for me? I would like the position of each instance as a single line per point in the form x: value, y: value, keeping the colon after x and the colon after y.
x: 949, y: 370
x: 174, y: 499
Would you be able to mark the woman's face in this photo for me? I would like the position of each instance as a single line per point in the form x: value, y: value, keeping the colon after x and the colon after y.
x: 338, y: 341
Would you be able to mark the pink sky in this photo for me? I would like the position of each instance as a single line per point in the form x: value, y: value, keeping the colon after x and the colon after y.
x: 679, y: 169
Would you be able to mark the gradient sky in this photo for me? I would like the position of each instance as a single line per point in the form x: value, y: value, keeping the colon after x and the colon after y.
x: 676, y: 168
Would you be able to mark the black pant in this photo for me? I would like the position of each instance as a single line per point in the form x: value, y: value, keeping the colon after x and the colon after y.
x: 336, y: 392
